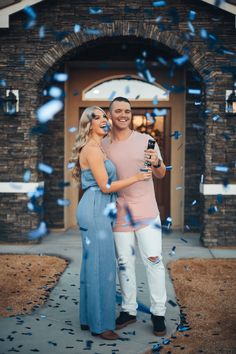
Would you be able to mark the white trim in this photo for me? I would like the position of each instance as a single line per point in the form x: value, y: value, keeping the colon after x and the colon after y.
x: 223, y: 6
x: 19, y: 187
x: 214, y: 189
x: 9, y: 10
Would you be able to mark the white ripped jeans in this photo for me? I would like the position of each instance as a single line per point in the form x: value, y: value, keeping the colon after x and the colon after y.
x: 149, y: 241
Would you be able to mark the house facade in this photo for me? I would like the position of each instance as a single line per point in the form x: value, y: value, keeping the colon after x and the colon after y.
x: 174, y: 60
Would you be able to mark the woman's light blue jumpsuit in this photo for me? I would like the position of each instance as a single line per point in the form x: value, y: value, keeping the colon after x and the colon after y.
x: 98, y: 269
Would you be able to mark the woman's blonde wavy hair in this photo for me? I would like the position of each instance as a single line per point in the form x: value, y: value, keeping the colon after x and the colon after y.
x: 82, y: 138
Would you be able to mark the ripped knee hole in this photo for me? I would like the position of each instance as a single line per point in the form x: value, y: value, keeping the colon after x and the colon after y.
x: 154, y: 259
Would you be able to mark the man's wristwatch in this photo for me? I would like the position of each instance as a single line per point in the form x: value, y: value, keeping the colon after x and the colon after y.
x: 158, y: 164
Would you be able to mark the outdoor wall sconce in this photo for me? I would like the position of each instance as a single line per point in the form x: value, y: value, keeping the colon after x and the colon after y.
x: 231, y: 98
x: 231, y: 102
x: 11, y: 102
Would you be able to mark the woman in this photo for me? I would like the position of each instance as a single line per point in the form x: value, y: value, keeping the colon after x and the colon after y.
x: 98, y: 181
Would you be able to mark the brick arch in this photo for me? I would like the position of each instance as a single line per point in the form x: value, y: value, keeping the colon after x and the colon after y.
x: 59, y: 52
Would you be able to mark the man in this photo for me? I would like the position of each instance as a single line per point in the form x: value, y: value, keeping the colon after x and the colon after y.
x: 128, y: 151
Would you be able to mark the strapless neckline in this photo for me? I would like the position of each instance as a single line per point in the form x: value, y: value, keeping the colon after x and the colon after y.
x: 88, y: 169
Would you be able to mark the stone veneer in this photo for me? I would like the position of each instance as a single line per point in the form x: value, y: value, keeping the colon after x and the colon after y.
x: 26, y: 59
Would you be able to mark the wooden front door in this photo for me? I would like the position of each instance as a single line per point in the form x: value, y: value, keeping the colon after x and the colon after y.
x: 159, y: 128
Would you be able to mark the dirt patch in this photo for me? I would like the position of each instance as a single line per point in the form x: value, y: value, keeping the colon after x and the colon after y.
x: 205, y: 291
x: 26, y: 281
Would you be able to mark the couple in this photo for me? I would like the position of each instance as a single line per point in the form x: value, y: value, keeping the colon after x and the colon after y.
x: 106, y: 165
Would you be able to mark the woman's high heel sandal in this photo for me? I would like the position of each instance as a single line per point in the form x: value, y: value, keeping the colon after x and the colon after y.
x: 109, y: 335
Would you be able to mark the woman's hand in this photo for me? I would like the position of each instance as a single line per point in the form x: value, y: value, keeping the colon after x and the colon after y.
x: 144, y: 175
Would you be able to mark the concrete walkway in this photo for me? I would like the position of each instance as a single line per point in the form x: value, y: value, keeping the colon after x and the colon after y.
x: 55, y: 327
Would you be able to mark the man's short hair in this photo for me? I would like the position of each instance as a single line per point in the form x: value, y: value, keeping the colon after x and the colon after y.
x: 119, y: 99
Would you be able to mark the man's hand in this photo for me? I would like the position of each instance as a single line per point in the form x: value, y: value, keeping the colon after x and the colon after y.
x: 150, y: 155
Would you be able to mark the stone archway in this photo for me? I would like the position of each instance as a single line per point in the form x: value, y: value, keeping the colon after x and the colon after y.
x: 60, y: 53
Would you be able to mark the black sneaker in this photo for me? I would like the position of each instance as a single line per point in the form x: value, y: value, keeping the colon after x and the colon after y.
x: 124, y: 320
x: 84, y: 327
x: 159, y: 327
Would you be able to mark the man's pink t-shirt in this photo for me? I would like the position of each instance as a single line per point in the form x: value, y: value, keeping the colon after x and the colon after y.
x: 128, y: 157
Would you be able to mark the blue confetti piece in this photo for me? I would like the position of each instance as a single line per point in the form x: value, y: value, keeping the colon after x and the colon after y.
x: 55, y: 92
x: 42, y: 32
x: 190, y: 26
x: 37, y: 193
x: 129, y: 217
x: 118, y: 298
x: 156, y: 348
x: 148, y: 76
x: 150, y: 118
x: 228, y: 52
x: 168, y: 168
x: 95, y: 10
x: 31, y: 16
x: 176, y: 135
x: 140, y: 64
x: 203, y: 33
x: 107, y: 128
x: 192, y: 15
x: 181, y: 60
x: 87, y: 241
x: 143, y: 308
x: 60, y: 77
x: 71, y: 165
x: 112, y: 95
x: 216, y: 117
x: 48, y: 110
x: 155, y: 100
x: 72, y: 130
x: 172, y: 252
x: 39, y: 232
x: 30, y: 12
x: 194, y: 91
x: 160, y: 112
x: 162, y: 61
x: 27, y: 176
x: 63, y: 202
x: 159, y: 3
x: 219, y: 198
x: 166, y: 341
x: 108, y: 185
x: 127, y: 90
x: 110, y: 210
x: 156, y: 225
x: 182, y: 328
x: 144, y: 54
x: 202, y: 179
x: 225, y: 182
x: 30, y: 206
x: 183, y: 239
x: 132, y: 251
x: 212, y: 210
x: 93, y: 31
x: 3, y: 83
x: 45, y: 168
x: 77, y: 28
x: 194, y: 202
x: 221, y: 168
x: 53, y: 343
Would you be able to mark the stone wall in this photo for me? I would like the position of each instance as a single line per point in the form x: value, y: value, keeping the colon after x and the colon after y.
x: 26, y: 59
